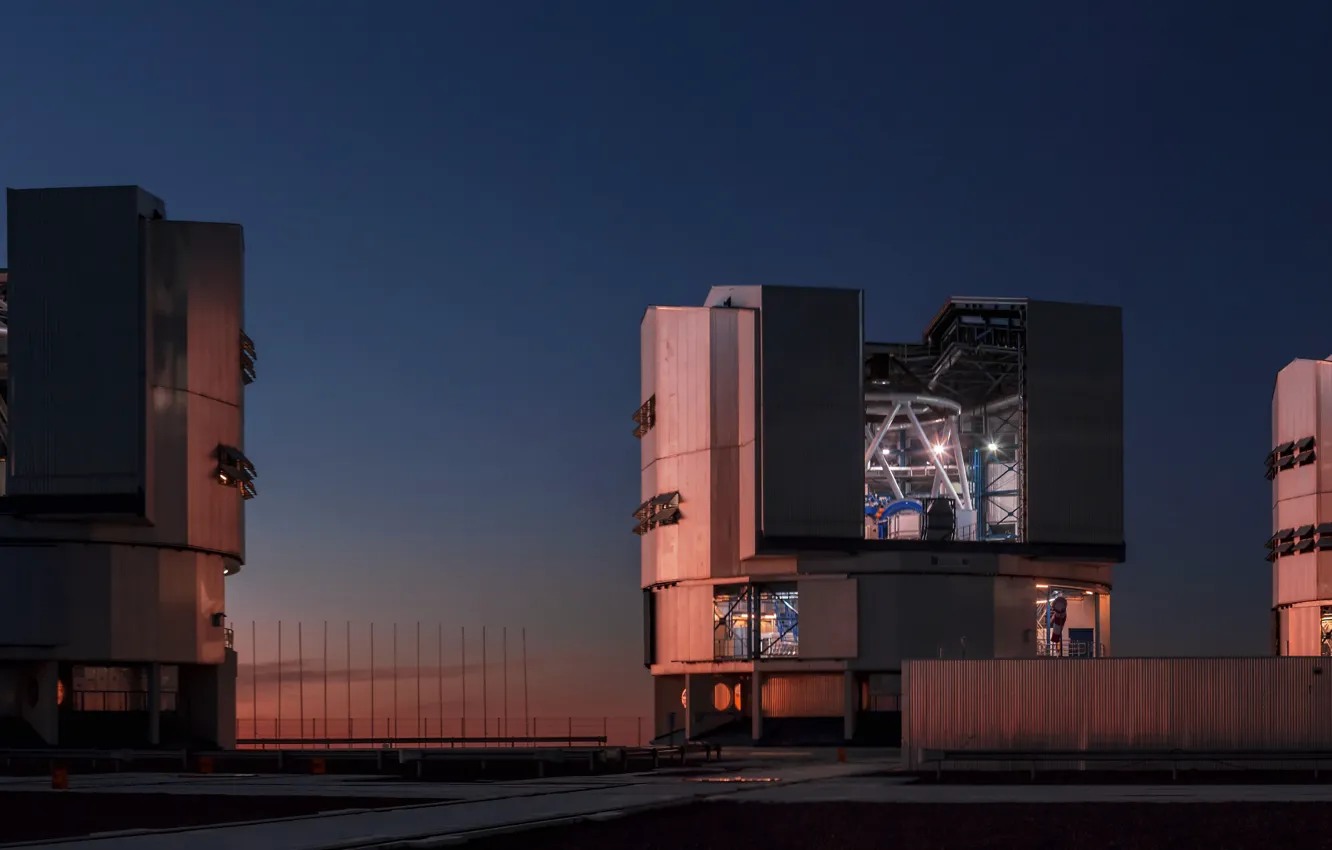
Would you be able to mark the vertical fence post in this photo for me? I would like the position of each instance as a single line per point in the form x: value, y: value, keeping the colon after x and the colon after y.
x: 463, y: 650
x: 418, y: 680
x: 504, y: 668
x: 439, y: 671
x: 300, y: 678
x: 393, y: 733
x: 372, y: 680
x: 254, y: 680
x: 326, y: 734
x: 277, y: 723
x: 525, y: 714
x: 485, y: 708
x: 349, y: 683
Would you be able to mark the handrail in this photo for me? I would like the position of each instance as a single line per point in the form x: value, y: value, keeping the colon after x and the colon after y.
x: 598, y: 740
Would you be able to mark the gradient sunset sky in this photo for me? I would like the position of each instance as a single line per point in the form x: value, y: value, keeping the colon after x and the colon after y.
x: 456, y: 212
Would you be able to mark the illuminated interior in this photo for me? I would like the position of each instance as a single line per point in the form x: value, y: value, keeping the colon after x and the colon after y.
x: 1067, y: 623
x: 944, y: 442
x: 776, y: 609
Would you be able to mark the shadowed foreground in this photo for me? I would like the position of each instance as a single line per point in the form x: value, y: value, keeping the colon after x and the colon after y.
x: 943, y: 826
x: 41, y: 815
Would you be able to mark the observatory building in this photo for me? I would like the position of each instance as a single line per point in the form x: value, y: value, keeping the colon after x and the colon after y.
x: 1300, y: 547
x: 122, y: 373
x: 816, y: 508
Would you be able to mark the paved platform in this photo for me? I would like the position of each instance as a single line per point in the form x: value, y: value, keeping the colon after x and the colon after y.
x: 790, y: 780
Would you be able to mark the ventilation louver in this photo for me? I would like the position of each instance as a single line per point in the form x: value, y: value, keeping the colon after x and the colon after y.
x: 659, y: 510
x: 646, y: 417
x: 234, y: 469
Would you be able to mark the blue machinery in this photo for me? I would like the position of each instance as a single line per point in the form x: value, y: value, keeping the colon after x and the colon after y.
x: 882, y: 509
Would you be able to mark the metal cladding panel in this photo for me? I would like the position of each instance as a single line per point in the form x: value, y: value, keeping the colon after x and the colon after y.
x: 647, y: 367
x: 216, y: 512
x: 1295, y: 511
x: 1014, y: 617
x: 1295, y: 411
x: 1323, y: 569
x: 677, y: 353
x: 78, y: 342
x: 828, y: 621
x: 1302, y: 407
x: 684, y: 623
x: 947, y: 616
x: 1323, y: 465
x: 812, y: 403
x: 32, y: 596
x: 1302, y: 631
x: 880, y: 638
x: 683, y: 361
x: 913, y: 615
x: 727, y: 403
x: 724, y: 384
x: 684, y: 549
x: 747, y: 385
x: 1296, y: 579
x: 1075, y: 424
x: 1295, y: 402
x: 1103, y: 607
x: 804, y: 695
x: 185, y: 590
x: 724, y: 531
x: 196, y: 278
x: 1153, y: 704
x: 209, y: 260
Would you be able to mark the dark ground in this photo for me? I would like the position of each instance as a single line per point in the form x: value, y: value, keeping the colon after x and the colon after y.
x: 944, y: 826
x: 38, y: 815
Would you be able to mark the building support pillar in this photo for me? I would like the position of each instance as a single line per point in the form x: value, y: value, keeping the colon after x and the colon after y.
x: 756, y: 705
x: 1096, y: 632
x: 851, y: 707
x: 154, y: 704
x: 688, y: 708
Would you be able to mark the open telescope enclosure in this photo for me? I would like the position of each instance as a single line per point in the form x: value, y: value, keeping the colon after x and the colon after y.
x: 122, y: 377
x: 816, y: 508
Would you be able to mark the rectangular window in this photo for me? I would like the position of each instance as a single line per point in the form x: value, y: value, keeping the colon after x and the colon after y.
x: 779, y: 618
x: 730, y: 623
x: 98, y: 688
x: 755, y: 622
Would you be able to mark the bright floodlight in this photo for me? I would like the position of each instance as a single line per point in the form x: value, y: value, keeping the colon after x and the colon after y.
x: 994, y: 447
x: 939, y: 449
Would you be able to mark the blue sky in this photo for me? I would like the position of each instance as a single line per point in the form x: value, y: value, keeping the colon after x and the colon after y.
x: 456, y: 212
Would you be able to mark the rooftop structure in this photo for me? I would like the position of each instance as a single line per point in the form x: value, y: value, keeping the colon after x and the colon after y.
x: 817, y: 508
x: 1300, y: 548
x: 121, y: 510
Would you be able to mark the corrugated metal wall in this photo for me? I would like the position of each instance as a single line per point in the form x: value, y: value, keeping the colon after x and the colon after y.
x: 804, y: 695
x: 1198, y: 704
x: 1075, y: 424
